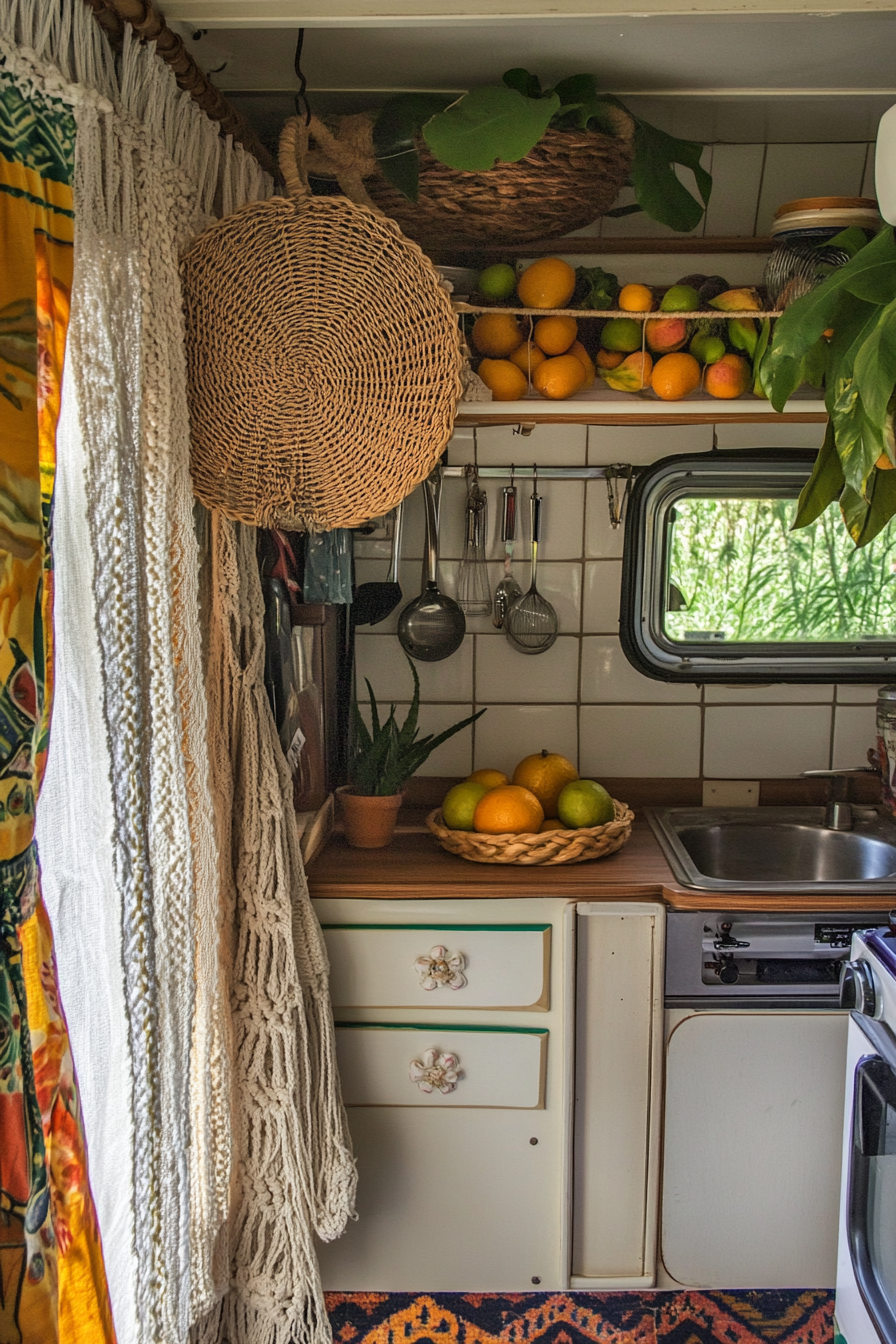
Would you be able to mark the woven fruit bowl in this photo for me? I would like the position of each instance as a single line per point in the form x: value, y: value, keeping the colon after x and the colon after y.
x: 543, y: 847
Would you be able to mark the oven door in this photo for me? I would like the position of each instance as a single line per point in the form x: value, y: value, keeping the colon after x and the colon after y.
x: 870, y: 1204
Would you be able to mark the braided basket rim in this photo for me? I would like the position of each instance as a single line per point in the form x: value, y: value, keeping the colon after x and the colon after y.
x: 542, y: 847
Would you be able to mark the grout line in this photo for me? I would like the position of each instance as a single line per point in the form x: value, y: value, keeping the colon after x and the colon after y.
x: 831, y: 741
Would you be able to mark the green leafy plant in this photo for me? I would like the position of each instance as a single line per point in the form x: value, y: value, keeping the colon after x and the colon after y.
x: 856, y: 306
x: 504, y: 121
x: 386, y: 755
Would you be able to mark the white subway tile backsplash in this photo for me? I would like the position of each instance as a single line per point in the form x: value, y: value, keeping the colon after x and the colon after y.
x: 794, y: 172
x: 769, y: 436
x: 381, y: 659
x: 856, y: 695
x: 602, y: 540
x: 855, y: 730
x: 500, y: 446
x: 768, y: 742
x: 644, y: 444
x: 507, y: 733
x: 764, y: 695
x: 641, y: 741
x: 731, y: 213
x: 505, y: 674
x: 600, y: 598
x: 609, y: 678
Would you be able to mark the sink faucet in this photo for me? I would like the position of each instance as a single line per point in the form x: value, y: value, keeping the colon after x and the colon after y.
x: 838, y: 810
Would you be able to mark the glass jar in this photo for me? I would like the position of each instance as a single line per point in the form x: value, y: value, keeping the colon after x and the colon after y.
x: 886, y: 745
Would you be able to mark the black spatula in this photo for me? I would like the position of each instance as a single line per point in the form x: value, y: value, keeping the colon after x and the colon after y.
x: 375, y: 601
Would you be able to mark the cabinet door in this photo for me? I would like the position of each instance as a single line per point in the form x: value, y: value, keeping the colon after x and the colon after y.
x: 753, y: 1130
x: 453, y: 1201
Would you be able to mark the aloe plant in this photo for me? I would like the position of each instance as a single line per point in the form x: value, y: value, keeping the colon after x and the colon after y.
x: 504, y: 121
x: 386, y: 755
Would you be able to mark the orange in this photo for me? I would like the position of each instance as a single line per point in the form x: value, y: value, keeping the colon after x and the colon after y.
x: 883, y: 463
x: 582, y: 355
x: 609, y: 359
x: 554, y: 335
x: 636, y: 299
x: 546, y: 774
x: 508, y: 809
x: 506, y: 381
x: 547, y: 283
x: 729, y: 377
x: 674, y: 376
x: 490, y: 778
x: 528, y: 357
x: 552, y: 824
x: 496, y: 334
x: 560, y: 377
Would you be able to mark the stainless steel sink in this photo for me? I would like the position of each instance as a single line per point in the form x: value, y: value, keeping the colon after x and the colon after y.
x: 784, y: 849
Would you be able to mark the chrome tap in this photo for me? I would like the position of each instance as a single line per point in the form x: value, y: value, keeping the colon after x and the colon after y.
x: 838, y: 809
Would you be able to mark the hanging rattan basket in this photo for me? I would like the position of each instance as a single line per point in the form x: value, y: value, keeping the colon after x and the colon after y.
x: 566, y: 181
x: 323, y: 359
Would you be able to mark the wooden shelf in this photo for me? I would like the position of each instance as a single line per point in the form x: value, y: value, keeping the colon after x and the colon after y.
x: 602, y: 406
x: 460, y: 306
x: 683, y: 246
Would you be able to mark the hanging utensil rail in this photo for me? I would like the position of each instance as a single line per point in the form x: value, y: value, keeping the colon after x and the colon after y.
x: 548, y: 473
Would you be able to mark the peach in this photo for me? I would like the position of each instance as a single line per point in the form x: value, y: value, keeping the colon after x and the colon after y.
x: 729, y: 377
x: 666, y: 334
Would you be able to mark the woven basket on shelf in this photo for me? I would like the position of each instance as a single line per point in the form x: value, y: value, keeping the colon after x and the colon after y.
x: 323, y: 359
x: 566, y: 181
x: 547, y: 847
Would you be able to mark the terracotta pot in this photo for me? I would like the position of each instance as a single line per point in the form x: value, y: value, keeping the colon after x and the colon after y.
x: 369, y: 822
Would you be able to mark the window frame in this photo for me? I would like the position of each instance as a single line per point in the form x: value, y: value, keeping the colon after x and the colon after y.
x: 760, y: 473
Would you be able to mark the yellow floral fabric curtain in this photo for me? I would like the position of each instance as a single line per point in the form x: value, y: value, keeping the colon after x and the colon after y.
x: 52, y: 1280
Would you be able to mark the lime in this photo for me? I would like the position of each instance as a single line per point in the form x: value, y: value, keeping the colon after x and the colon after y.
x: 680, y: 299
x: 708, y: 349
x: 460, y: 803
x: 621, y: 333
x: 497, y: 282
x: 585, y: 803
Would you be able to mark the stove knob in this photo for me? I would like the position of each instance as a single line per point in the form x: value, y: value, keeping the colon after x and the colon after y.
x: 857, y: 989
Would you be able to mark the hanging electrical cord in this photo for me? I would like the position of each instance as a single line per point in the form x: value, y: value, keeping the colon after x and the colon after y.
x: 300, y: 95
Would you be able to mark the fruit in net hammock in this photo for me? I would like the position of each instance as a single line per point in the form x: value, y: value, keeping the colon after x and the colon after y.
x: 496, y: 334
x: 506, y: 381
x: 547, y: 283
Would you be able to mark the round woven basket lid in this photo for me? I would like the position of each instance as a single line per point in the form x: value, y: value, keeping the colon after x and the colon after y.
x: 323, y: 359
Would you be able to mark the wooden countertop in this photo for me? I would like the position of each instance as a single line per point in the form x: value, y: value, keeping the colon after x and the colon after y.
x: 413, y: 867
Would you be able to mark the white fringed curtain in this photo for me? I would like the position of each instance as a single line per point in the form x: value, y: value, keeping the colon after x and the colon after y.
x: 134, y: 878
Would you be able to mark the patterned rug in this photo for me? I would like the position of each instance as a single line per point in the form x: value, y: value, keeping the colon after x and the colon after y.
x: 778, y: 1316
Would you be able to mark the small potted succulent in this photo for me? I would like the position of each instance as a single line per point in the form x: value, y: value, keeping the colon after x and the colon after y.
x: 384, y: 758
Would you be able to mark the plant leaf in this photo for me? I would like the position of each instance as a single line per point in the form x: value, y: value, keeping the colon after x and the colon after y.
x: 823, y: 486
x: 657, y: 188
x: 859, y: 442
x: 487, y: 125
x: 576, y: 89
x: 875, y: 366
x: 815, y: 362
x: 525, y: 83
x: 374, y: 715
x: 805, y: 320
x: 395, y: 136
x: 866, y: 517
x: 850, y: 240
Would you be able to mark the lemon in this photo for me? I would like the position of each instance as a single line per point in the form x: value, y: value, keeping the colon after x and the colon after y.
x: 459, y: 804
x: 584, y: 802
x: 621, y: 333
x: 497, y: 282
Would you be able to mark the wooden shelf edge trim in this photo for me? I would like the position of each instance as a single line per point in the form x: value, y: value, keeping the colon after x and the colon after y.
x: 612, y: 246
x: 596, y: 417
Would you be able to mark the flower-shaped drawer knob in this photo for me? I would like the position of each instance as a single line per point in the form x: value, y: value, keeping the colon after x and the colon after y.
x: 441, y: 969
x: 435, y: 1072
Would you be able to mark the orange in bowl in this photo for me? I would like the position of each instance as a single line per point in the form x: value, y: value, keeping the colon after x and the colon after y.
x: 508, y: 810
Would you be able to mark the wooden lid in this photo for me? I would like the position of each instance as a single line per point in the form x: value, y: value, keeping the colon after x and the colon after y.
x: 828, y: 203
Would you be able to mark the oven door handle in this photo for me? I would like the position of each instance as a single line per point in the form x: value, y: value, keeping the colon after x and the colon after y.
x: 880, y: 1036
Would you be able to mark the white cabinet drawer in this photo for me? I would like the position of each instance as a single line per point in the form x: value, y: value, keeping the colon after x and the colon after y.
x: 439, y: 966
x: 441, y: 1067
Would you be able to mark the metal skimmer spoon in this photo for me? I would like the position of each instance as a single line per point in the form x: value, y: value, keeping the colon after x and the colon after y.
x: 508, y: 590
x: 432, y: 626
x: 531, y: 622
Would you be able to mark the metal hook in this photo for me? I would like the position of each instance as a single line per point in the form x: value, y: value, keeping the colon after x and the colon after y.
x: 300, y: 97
x: 616, y: 502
